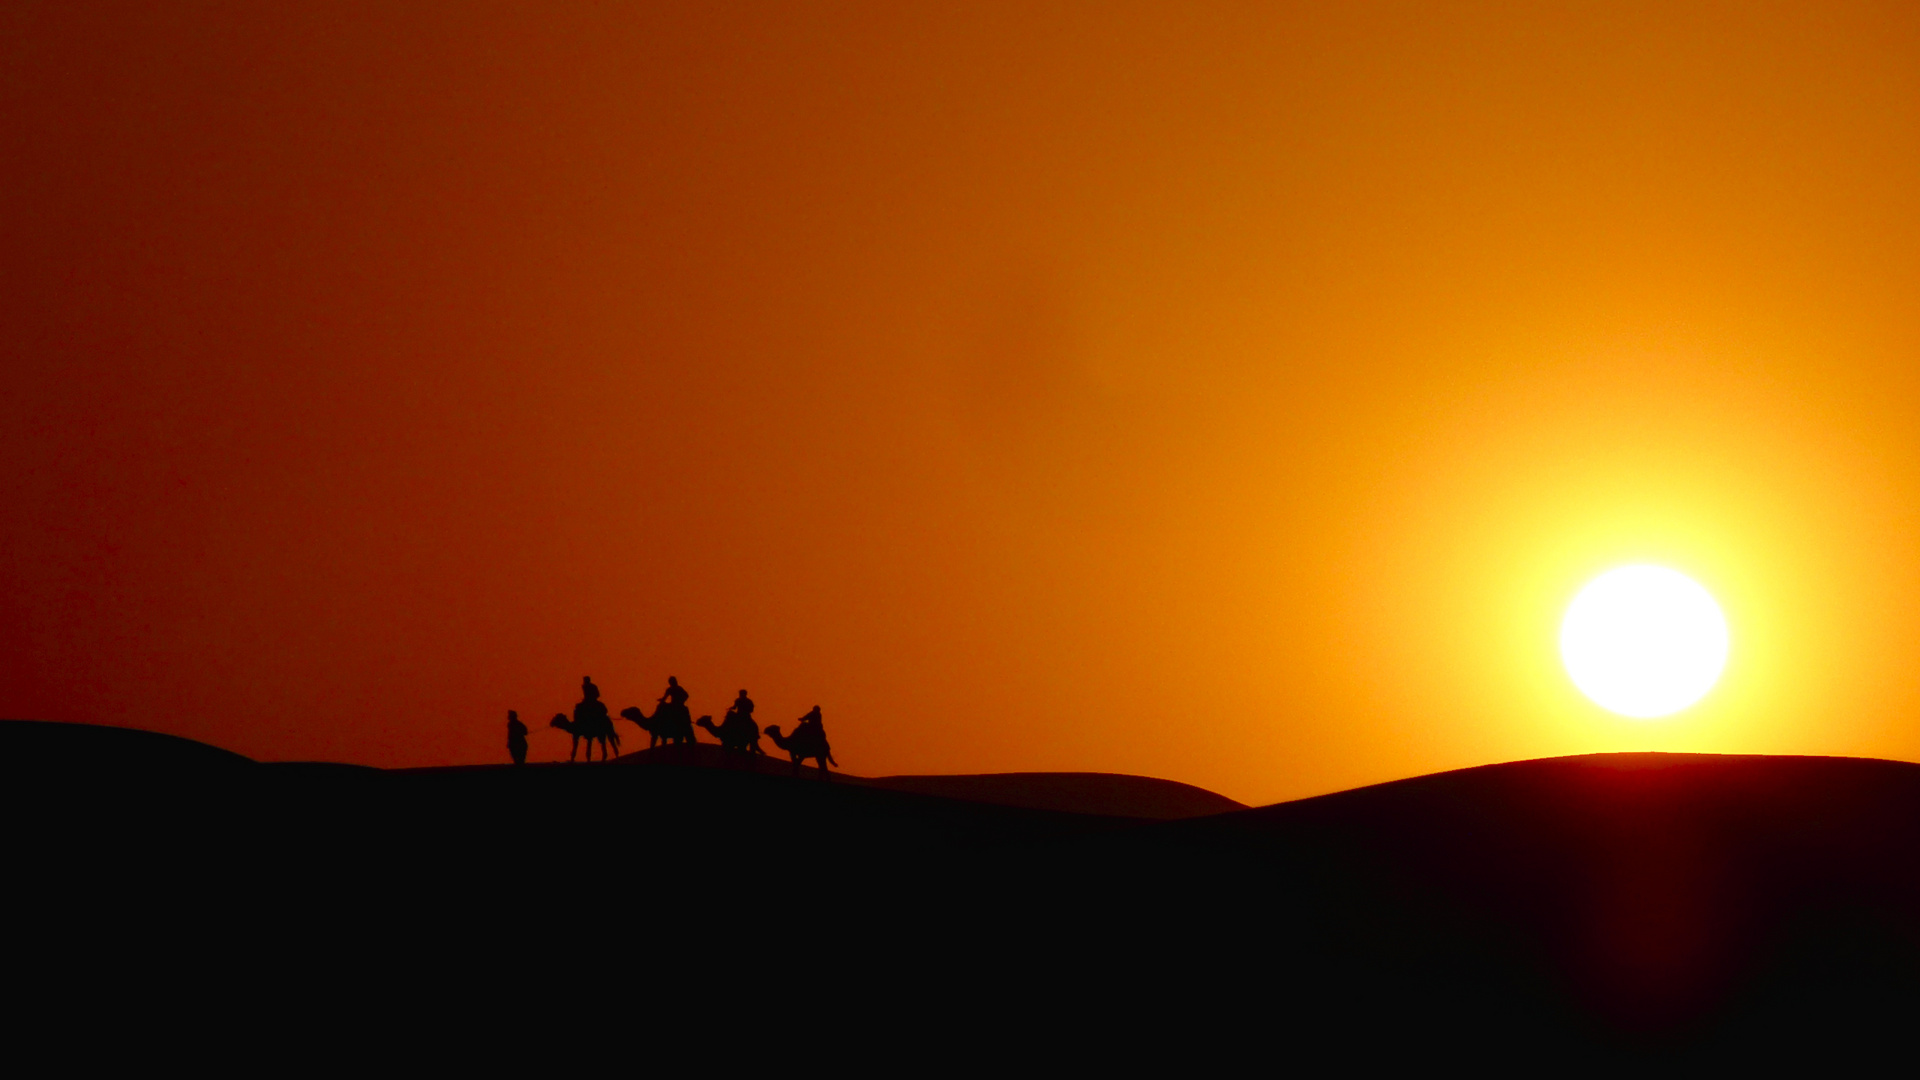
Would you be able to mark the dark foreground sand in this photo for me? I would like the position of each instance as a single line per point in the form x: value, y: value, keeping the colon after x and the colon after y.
x: 1617, y: 906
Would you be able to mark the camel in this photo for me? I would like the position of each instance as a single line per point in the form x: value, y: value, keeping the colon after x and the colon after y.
x: 804, y: 743
x: 736, y: 732
x: 663, y: 725
x: 591, y: 728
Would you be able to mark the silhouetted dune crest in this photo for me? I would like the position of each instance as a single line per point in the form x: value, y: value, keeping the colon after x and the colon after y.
x: 1105, y: 794
x: 1111, y: 794
x: 55, y: 744
x: 1662, y: 889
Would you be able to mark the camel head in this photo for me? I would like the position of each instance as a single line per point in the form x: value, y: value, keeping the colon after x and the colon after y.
x: 705, y: 722
x: 559, y: 720
x: 633, y: 713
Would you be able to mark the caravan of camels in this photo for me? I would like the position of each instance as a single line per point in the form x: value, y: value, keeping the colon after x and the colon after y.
x: 672, y: 722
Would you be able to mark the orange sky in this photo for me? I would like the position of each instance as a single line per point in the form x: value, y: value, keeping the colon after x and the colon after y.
x: 1221, y: 392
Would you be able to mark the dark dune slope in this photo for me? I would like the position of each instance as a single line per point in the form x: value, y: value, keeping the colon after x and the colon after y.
x: 1627, y: 904
x: 1107, y: 794
x: 1654, y: 880
x: 1657, y: 896
x: 1112, y: 794
x: 38, y: 745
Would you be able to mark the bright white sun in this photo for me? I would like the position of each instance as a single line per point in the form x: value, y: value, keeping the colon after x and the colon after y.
x: 1644, y: 641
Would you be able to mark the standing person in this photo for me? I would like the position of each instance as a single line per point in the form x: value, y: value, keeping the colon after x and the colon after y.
x: 516, y: 738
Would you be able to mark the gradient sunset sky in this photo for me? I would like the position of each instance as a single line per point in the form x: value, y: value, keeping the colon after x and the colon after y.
x: 1235, y: 393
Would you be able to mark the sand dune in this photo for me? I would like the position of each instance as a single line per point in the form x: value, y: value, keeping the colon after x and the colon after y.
x: 1636, y: 905
x: 1113, y: 794
x: 1110, y: 794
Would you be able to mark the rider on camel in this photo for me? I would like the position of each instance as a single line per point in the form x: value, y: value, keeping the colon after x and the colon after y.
x: 742, y: 707
x: 676, y: 696
x: 591, y: 707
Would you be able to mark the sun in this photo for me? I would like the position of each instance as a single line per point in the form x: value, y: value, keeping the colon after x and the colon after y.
x: 1644, y: 641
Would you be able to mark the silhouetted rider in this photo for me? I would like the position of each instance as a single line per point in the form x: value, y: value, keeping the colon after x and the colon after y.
x: 676, y: 696
x: 742, y: 707
x: 591, y: 708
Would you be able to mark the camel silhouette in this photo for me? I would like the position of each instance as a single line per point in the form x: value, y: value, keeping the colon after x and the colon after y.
x: 667, y: 724
x: 736, y: 732
x: 591, y: 728
x: 805, y: 742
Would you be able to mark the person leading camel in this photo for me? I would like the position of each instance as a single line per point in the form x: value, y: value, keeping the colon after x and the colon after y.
x: 516, y: 738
